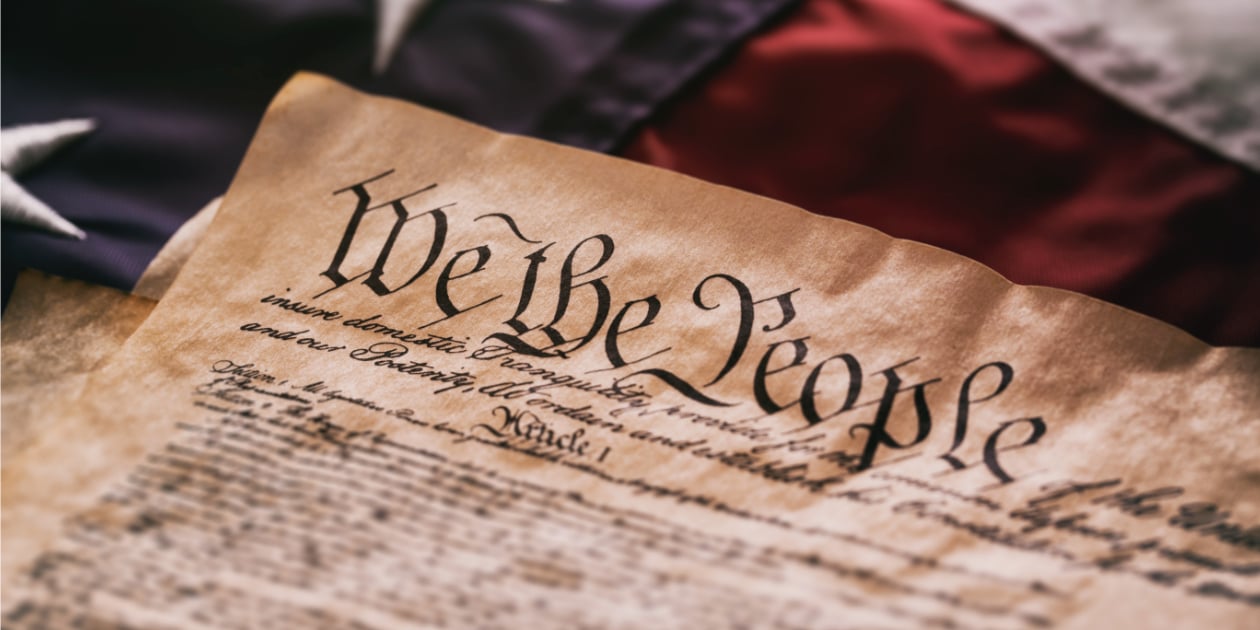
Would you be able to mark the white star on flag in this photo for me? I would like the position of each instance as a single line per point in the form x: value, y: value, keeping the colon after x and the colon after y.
x: 21, y: 148
x: 393, y: 19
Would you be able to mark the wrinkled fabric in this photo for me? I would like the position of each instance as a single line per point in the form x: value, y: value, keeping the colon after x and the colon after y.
x: 933, y: 125
x: 177, y: 89
x: 907, y: 115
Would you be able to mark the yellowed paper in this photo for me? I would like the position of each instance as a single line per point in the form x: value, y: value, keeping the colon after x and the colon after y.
x: 421, y: 374
x: 55, y: 332
x: 160, y: 273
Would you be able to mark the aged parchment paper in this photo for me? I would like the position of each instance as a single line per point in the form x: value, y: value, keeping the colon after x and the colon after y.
x: 422, y: 374
x: 57, y: 331
x: 160, y: 273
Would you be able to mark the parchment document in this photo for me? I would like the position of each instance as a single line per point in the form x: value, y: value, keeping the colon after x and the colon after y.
x: 420, y: 374
x: 56, y: 331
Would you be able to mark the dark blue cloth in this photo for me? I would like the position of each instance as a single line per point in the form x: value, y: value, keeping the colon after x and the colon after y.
x: 177, y: 89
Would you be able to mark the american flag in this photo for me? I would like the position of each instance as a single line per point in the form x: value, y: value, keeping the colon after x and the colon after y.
x: 1039, y: 147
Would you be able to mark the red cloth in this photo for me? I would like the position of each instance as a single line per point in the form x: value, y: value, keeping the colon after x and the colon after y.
x: 931, y: 124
